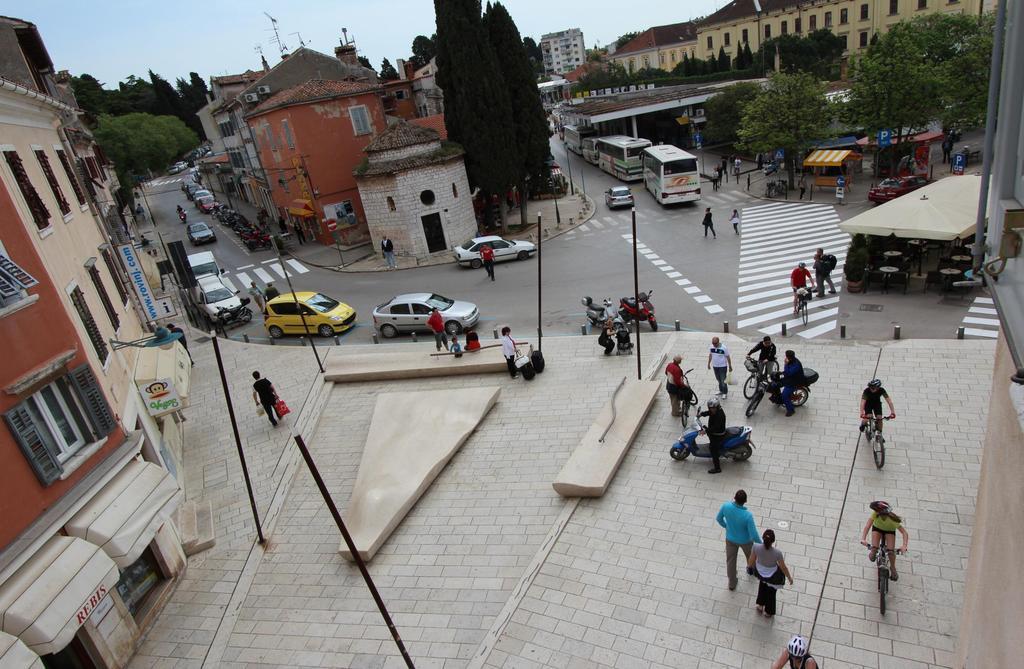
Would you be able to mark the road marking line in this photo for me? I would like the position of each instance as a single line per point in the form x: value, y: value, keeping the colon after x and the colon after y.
x: 794, y: 256
x: 981, y: 321
x: 297, y: 266
x: 984, y: 300
x: 683, y: 282
x: 658, y: 263
x: 768, y: 293
x: 263, y: 275
x: 691, y: 289
x: 227, y: 282
x: 748, y: 274
x: 819, y: 330
x: 974, y: 332
x: 672, y: 275
x: 245, y: 267
x: 702, y: 299
x: 714, y: 309
x: 983, y: 310
x: 243, y: 277
x: 783, y: 312
x: 780, y: 241
x: 794, y: 323
x: 267, y: 262
x: 597, y: 224
x: 651, y: 256
x: 584, y: 228
x: 764, y: 284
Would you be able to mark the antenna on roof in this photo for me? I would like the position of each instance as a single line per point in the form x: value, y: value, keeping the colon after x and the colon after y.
x: 299, y: 35
x: 277, y: 36
x: 258, y: 49
x: 345, y: 38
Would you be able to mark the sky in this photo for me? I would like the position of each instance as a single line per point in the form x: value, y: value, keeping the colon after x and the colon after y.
x: 112, y: 39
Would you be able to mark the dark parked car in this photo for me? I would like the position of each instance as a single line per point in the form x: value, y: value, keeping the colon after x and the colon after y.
x: 890, y: 189
x: 200, y: 233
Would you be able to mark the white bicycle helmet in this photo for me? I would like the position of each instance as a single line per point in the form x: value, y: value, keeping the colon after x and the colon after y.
x: 798, y: 646
x: 713, y: 402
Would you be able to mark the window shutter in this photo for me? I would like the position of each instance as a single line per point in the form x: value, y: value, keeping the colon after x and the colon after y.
x: 115, y: 273
x: 95, y: 403
x: 58, y: 192
x: 89, y: 323
x: 75, y: 186
x: 35, y: 443
x: 40, y: 214
x: 101, y: 290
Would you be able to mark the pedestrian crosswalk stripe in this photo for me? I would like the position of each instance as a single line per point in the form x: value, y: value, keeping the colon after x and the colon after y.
x: 673, y: 275
x: 702, y: 299
x: 666, y: 268
x: 768, y: 293
x: 243, y: 278
x: 975, y: 332
x: 267, y: 262
x: 263, y: 275
x: 760, y: 229
x: 783, y: 211
x: 789, y: 235
x: 597, y: 224
x: 787, y: 242
x: 652, y: 256
x: 782, y: 206
x: 244, y: 267
x: 984, y: 300
x: 658, y: 263
x: 765, y: 284
x: 794, y: 323
x: 692, y: 289
x: 981, y: 321
x: 786, y: 265
x: 584, y: 228
x: 788, y: 311
x: 714, y: 309
x: 818, y: 330
x: 785, y: 271
x: 983, y: 310
x: 227, y: 282
x: 297, y: 266
x: 774, y: 255
x: 683, y: 282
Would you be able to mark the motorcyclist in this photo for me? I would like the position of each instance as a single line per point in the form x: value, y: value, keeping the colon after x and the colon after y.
x: 766, y: 353
x: 871, y: 404
x: 786, y: 381
x: 715, y: 430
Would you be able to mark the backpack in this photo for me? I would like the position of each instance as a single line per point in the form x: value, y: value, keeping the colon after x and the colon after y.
x: 830, y: 262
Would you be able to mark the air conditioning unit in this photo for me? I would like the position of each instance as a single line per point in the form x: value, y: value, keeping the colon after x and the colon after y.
x: 252, y: 97
x: 263, y: 90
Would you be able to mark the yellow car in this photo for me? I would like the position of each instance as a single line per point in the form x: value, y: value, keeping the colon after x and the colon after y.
x: 324, y: 316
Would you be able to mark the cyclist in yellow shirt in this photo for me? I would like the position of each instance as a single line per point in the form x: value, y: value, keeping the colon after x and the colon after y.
x: 884, y: 523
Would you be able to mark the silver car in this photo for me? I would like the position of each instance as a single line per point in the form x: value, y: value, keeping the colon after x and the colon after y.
x: 618, y: 196
x: 409, y: 312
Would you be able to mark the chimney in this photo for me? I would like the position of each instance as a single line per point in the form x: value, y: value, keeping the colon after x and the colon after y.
x: 266, y: 65
x: 400, y: 66
x: 406, y: 69
x: 346, y: 53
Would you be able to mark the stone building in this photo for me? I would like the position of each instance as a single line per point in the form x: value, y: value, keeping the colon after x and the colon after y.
x: 415, y: 191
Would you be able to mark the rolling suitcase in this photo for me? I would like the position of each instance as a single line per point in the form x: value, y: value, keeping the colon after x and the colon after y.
x: 525, y: 367
x: 537, y: 360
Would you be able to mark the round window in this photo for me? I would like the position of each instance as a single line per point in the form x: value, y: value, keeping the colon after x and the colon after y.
x: 427, y: 197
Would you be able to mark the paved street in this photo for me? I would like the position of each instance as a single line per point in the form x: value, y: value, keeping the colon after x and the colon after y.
x: 492, y: 569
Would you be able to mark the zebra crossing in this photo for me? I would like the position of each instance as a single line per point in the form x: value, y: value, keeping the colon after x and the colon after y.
x: 775, y: 238
x: 981, y: 319
x: 262, y: 274
x: 611, y: 219
x: 164, y: 182
x: 688, y: 287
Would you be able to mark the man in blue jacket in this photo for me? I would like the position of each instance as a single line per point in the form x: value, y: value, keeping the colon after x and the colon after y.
x: 740, y: 532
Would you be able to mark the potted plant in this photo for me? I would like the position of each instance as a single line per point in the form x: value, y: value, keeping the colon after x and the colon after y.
x: 856, y: 264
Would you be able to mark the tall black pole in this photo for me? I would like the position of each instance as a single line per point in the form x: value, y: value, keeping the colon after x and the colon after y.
x: 636, y: 295
x: 353, y: 550
x: 568, y: 166
x: 238, y: 440
x: 540, y: 239
x: 298, y: 306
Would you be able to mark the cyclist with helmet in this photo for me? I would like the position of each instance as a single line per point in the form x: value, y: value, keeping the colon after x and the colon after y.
x: 715, y: 429
x: 884, y: 523
x: 871, y: 404
x: 799, y: 278
x: 796, y: 656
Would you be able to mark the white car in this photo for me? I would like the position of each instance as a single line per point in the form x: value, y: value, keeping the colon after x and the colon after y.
x: 504, y: 249
x: 211, y: 293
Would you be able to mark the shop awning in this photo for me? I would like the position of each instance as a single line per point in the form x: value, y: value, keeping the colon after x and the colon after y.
x: 943, y: 211
x: 54, y: 593
x: 15, y: 655
x: 123, y: 517
x: 301, y: 208
x: 826, y: 158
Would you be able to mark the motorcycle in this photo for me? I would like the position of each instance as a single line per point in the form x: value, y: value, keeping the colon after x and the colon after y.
x: 231, y: 315
x: 736, y: 446
x: 774, y: 389
x: 645, y: 312
x: 598, y: 315
x: 182, y: 215
x: 256, y: 241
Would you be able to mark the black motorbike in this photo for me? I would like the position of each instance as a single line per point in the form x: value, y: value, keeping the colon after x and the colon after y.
x: 230, y: 315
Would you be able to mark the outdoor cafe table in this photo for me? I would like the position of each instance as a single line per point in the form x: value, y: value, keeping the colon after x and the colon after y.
x: 948, y: 275
x: 887, y: 272
x: 960, y: 258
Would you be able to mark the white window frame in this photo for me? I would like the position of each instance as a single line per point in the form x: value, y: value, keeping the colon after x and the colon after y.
x: 360, y: 111
x: 64, y: 451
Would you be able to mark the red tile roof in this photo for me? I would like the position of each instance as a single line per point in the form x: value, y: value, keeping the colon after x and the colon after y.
x: 435, y: 122
x: 741, y: 9
x: 673, y: 33
x: 401, y: 134
x: 582, y: 71
x: 243, y: 78
x: 314, y: 89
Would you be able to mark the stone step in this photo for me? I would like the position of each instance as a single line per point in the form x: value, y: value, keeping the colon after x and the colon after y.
x: 195, y: 525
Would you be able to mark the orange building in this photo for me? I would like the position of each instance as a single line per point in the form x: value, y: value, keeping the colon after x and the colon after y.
x: 310, y: 138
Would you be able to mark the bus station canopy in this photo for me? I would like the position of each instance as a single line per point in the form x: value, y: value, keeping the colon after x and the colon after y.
x: 826, y: 158
x: 944, y: 210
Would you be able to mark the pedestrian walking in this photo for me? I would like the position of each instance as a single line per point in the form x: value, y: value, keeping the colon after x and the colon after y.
x: 281, y: 225
x: 265, y: 395
x: 740, y: 532
x: 257, y: 295
x: 716, y: 178
x: 270, y: 292
x: 725, y: 166
x: 715, y: 430
x: 760, y: 160
x: 436, y: 323
x: 299, y: 234
x: 735, y: 220
x: 766, y: 562
x: 675, y: 384
x: 487, y: 255
x: 387, y: 247
x: 171, y: 327
x: 803, y: 185
x: 720, y: 362
x: 823, y: 266
x: 709, y: 224
x: 140, y: 212
x: 947, y: 148
x: 737, y: 165
x: 508, y: 349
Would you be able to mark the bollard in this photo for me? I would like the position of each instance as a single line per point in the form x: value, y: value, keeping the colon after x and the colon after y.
x: 748, y: 182
x: 273, y: 342
x: 374, y: 338
x: 895, y: 332
x: 842, y: 332
x: 245, y: 338
x: 414, y: 336
x: 677, y: 325
x: 725, y: 327
x: 303, y: 340
x: 960, y: 332
x: 583, y: 329
x: 337, y: 340
x: 783, y: 329
x: 495, y: 333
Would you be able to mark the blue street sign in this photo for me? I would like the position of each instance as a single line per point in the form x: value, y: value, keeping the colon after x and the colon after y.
x: 884, y: 138
x: 840, y: 181
x: 959, y: 163
x: 780, y: 155
x: 698, y: 139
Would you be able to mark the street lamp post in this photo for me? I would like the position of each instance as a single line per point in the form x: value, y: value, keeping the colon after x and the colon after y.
x: 636, y: 295
x: 298, y: 306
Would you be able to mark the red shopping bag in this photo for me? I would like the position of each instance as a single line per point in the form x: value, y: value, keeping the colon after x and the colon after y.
x: 281, y: 408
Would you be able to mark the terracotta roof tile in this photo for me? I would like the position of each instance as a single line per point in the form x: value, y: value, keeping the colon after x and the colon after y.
x: 673, y: 33
x: 314, y: 89
x: 435, y: 122
x: 401, y: 134
x: 741, y: 9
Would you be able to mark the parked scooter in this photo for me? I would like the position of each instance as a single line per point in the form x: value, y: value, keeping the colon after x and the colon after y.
x: 737, y: 445
x: 645, y: 312
x: 598, y: 315
x: 240, y: 314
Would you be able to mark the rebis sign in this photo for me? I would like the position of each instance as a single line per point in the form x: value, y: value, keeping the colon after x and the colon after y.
x: 160, y: 397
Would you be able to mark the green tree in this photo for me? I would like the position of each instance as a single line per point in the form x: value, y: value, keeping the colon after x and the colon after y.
x: 711, y: 65
x: 477, y: 110
x: 365, y: 62
x: 613, y: 75
x: 724, y: 112
x: 192, y: 95
x: 530, y: 125
x: 92, y: 97
x: 388, y: 71
x: 423, y: 49
x: 723, y: 60
x: 535, y: 55
x: 138, y: 142
x: 133, y: 95
x: 789, y: 113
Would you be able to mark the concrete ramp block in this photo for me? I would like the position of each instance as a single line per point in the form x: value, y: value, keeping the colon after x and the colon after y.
x: 593, y: 464
x: 412, y: 437
x: 414, y: 365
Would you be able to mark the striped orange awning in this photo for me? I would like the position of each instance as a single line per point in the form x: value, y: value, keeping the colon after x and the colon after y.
x: 826, y: 158
x: 302, y: 209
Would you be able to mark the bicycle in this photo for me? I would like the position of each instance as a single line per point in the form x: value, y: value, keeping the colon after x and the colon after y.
x: 804, y: 297
x: 759, y: 371
x: 874, y: 437
x: 884, y: 571
x: 685, y: 404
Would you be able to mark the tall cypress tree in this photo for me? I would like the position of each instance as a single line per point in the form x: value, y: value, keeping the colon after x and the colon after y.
x: 530, y: 122
x: 723, y: 60
x: 476, y: 104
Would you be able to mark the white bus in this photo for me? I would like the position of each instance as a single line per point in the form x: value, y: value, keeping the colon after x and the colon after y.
x: 622, y: 156
x: 590, y: 150
x: 671, y: 174
x: 574, y: 136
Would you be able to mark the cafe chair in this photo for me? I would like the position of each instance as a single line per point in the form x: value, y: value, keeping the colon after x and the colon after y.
x: 932, y: 279
x: 899, y: 279
x: 874, y: 276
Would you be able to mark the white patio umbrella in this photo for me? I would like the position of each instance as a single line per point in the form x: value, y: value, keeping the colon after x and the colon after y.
x: 943, y: 211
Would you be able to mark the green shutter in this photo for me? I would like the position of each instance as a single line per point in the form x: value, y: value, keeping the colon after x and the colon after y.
x: 35, y: 443
x: 91, y: 395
